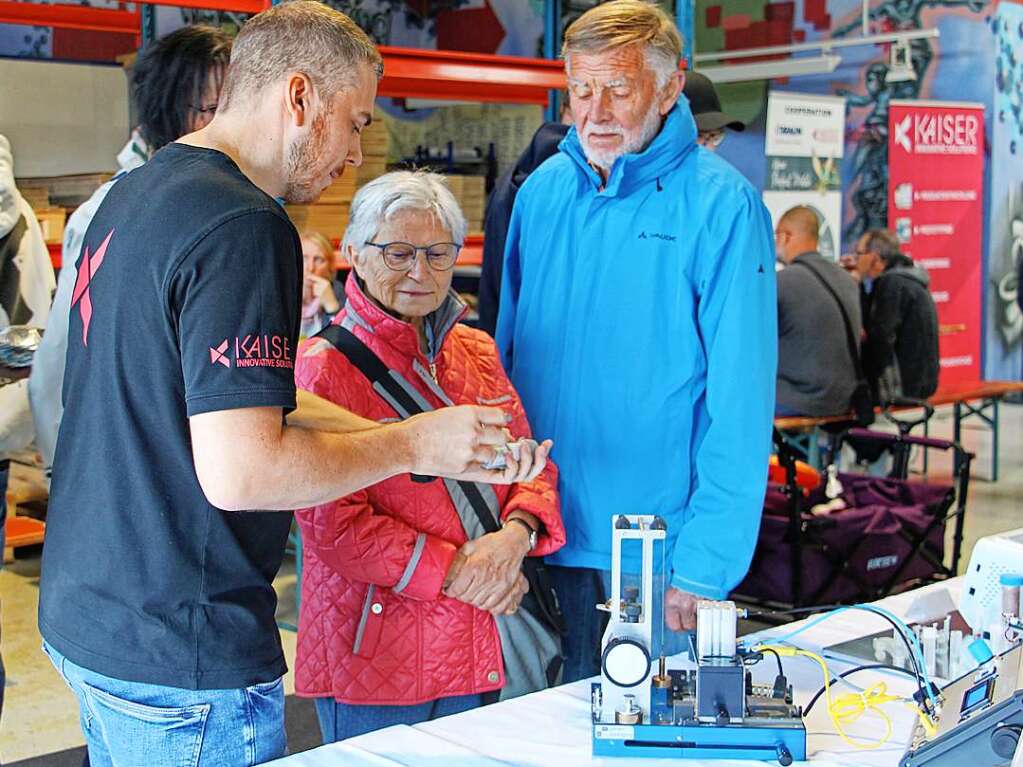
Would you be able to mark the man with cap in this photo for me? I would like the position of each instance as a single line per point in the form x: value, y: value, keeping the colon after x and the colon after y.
x: 706, y: 107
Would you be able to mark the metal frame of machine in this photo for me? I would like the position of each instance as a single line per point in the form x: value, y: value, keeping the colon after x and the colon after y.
x: 712, y: 712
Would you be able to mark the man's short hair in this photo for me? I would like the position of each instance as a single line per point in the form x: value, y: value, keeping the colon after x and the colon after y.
x: 802, y: 220
x: 620, y: 23
x: 299, y: 36
x: 884, y: 243
x: 169, y: 79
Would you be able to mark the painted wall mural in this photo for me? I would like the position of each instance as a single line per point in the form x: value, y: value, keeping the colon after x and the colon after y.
x: 1004, y: 341
x: 962, y: 72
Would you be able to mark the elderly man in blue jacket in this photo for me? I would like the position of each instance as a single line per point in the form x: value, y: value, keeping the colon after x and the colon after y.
x: 638, y: 322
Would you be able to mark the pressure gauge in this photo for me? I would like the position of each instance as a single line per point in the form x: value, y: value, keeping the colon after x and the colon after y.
x: 626, y: 662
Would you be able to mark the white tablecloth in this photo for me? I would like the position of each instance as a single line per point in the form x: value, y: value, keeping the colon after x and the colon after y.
x: 553, y: 728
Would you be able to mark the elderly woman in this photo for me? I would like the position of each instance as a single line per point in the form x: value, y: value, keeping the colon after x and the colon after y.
x: 398, y: 605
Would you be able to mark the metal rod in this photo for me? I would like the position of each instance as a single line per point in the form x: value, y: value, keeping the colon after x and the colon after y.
x: 684, y: 19
x: 821, y: 45
x: 551, y: 44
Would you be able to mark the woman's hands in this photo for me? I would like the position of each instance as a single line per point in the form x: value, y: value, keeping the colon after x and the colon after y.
x: 486, y: 573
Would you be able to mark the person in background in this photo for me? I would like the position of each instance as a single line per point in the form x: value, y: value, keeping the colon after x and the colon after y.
x: 499, y: 209
x: 185, y: 419
x: 175, y: 84
x: 319, y: 303
x: 400, y: 547
x: 900, y: 320
x: 711, y: 122
x: 26, y: 284
x: 638, y: 323
x: 816, y: 373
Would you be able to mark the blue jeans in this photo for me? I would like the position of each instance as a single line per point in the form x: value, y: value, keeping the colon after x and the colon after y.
x: 127, y: 724
x: 579, y: 591
x: 345, y: 720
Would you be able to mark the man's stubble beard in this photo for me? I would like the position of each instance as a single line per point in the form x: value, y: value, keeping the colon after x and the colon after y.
x: 300, y: 188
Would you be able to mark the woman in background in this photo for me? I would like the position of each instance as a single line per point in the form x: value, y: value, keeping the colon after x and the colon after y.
x: 319, y: 303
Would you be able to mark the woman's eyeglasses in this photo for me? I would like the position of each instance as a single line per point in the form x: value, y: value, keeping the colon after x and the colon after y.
x: 400, y: 256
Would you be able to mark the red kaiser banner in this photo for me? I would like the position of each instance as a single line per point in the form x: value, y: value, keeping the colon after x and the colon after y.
x: 935, y: 207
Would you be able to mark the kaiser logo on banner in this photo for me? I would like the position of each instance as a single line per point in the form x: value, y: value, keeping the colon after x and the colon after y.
x: 805, y: 142
x: 935, y: 208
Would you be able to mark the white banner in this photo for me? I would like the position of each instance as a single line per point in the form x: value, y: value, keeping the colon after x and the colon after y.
x: 805, y: 143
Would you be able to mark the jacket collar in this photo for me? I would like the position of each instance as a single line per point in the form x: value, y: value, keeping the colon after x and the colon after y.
x: 401, y: 335
x: 665, y: 153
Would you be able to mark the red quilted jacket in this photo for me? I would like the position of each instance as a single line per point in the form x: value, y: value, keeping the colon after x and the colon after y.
x: 374, y: 627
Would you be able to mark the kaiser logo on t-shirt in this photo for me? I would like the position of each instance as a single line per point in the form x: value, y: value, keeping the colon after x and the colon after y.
x: 253, y: 350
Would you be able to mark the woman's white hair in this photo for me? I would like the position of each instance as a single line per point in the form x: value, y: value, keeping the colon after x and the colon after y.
x: 402, y: 191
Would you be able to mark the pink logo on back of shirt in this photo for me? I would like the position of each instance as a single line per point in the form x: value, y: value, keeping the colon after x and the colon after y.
x: 81, y: 296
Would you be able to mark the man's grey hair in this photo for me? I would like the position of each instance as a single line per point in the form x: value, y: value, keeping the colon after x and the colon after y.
x: 402, y: 191
x: 627, y: 22
x: 884, y: 243
x: 298, y: 36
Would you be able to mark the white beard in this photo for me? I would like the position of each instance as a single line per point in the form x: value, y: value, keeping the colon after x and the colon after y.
x: 637, y: 142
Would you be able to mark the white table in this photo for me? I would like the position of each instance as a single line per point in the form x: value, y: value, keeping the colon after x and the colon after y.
x: 552, y: 728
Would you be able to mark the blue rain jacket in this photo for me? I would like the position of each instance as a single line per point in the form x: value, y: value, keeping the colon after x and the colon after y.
x: 638, y: 323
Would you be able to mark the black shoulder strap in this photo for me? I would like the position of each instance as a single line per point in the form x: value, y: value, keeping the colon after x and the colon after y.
x: 370, y: 365
x: 850, y: 337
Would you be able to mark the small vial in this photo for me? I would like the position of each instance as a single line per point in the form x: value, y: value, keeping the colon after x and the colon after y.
x: 1011, y: 583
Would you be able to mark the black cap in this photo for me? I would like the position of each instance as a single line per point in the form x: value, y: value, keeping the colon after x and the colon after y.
x: 706, y: 105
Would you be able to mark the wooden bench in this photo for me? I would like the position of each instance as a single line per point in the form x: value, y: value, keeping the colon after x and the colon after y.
x: 961, y: 396
x: 26, y: 485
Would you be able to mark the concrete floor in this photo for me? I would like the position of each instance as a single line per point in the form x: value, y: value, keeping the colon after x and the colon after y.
x: 40, y: 715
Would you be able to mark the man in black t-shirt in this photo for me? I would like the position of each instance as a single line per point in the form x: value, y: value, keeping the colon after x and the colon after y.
x: 156, y: 600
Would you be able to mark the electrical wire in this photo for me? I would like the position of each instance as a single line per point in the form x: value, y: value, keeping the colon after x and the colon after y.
x: 849, y: 708
x: 924, y: 684
x: 777, y: 657
x: 834, y: 609
x: 856, y: 670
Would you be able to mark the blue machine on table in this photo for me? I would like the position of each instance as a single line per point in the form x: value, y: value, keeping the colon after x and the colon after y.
x: 712, y: 712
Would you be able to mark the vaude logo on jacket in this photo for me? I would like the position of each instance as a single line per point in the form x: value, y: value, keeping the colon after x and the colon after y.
x: 253, y: 351
x: 938, y: 133
x: 657, y: 236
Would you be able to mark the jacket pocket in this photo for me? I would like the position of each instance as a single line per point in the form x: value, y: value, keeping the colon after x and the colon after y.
x: 371, y: 623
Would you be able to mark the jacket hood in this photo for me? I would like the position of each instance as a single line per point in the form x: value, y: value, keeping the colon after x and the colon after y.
x: 544, y: 144
x: 666, y: 152
x: 363, y: 311
x: 9, y: 212
x: 906, y: 269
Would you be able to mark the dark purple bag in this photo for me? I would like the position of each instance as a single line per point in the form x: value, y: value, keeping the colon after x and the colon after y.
x: 891, y: 536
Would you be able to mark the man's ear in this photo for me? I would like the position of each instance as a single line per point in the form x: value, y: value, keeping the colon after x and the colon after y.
x: 670, y: 92
x: 299, y: 98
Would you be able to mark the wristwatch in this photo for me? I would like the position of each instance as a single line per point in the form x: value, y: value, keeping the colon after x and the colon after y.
x: 529, y: 529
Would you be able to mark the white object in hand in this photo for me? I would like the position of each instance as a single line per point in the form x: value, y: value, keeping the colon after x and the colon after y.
x: 499, y: 461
